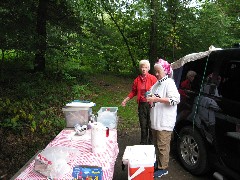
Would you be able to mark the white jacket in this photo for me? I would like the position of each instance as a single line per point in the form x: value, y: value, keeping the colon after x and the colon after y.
x: 162, y: 115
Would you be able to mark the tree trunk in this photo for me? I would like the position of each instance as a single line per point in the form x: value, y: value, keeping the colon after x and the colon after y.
x: 41, y: 44
x: 153, y: 35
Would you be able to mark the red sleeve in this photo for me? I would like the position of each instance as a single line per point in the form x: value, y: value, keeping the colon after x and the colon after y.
x: 134, y: 89
x: 185, y: 84
x: 182, y: 92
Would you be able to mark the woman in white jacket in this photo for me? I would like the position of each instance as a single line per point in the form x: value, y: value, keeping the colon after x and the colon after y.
x: 164, y: 100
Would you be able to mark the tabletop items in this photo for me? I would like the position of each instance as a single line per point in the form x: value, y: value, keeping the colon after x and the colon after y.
x: 86, y: 149
x: 80, y: 130
x: 75, y: 151
x: 53, y: 161
x: 78, y: 112
x: 87, y: 172
x: 108, y: 117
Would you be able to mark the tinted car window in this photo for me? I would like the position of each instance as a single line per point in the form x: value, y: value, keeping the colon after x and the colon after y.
x: 229, y: 86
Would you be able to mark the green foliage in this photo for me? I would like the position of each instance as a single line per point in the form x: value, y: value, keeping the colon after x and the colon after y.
x: 214, y: 27
x: 112, y: 35
x: 81, y: 92
x: 17, y: 114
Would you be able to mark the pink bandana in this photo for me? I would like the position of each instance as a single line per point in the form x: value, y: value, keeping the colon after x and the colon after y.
x: 166, y: 66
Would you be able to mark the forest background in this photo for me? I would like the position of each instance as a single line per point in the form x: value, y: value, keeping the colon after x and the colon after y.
x: 56, y: 51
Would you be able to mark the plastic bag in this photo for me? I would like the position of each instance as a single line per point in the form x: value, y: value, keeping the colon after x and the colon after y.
x: 53, y: 161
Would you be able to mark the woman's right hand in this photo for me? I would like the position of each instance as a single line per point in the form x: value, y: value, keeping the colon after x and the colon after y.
x: 124, y: 103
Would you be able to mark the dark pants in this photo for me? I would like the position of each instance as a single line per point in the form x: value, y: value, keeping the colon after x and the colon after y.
x: 145, y: 123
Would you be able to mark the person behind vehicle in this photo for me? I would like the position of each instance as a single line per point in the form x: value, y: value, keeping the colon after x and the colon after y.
x: 187, y: 83
x: 185, y: 87
x: 212, y: 83
x: 163, y: 114
x: 140, y: 86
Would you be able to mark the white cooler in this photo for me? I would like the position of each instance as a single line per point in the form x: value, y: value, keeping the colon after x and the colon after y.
x: 140, y: 160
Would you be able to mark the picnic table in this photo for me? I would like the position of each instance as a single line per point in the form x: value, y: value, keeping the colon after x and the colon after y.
x: 66, y: 138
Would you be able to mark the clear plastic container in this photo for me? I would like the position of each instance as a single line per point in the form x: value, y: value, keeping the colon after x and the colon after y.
x: 76, y: 115
x: 113, y: 110
x: 108, y: 119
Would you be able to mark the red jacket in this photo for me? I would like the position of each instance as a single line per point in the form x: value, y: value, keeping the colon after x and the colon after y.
x: 136, y: 90
x: 185, y: 85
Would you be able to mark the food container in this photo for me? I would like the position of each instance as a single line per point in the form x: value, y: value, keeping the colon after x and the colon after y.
x: 77, y: 112
x: 113, y: 110
x: 76, y: 115
x: 108, y: 117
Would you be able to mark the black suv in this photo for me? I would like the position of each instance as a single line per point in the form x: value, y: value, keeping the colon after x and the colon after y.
x: 207, y: 131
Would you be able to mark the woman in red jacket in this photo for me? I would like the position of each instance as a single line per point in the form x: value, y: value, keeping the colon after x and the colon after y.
x: 187, y: 83
x: 140, y: 86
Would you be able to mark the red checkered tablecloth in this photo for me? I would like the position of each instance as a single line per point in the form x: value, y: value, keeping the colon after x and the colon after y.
x: 66, y: 138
